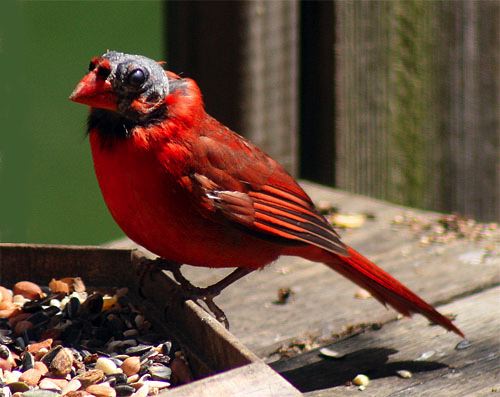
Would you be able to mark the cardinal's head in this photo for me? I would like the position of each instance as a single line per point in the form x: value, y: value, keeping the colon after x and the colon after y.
x: 132, y: 86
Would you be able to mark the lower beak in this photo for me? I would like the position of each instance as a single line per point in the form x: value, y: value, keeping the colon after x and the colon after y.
x: 94, y: 91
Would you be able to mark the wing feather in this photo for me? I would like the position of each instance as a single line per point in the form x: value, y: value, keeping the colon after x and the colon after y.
x: 248, y: 187
x: 288, y: 214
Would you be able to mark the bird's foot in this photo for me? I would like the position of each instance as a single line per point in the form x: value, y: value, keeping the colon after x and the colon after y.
x: 198, y: 295
x: 188, y: 290
x: 151, y: 266
x: 206, y: 295
x: 191, y: 292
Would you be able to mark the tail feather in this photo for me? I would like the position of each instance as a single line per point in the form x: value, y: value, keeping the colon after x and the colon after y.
x: 386, y: 288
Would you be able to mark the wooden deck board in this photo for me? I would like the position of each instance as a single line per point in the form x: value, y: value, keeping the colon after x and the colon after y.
x: 474, y: 371
x: 323, y: 302
x: 254, y: 380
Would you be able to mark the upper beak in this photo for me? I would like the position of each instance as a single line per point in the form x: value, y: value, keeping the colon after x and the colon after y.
x: 95, y: 91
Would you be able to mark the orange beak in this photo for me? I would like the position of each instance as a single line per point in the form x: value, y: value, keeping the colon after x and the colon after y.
x: 95, y: 91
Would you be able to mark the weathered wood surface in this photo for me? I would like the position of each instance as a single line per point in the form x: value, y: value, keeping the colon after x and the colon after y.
x: 254, y: 380
x: 253, y: 88
x: 400, y: 345
x: 323, y: 303
x: 417, y: 104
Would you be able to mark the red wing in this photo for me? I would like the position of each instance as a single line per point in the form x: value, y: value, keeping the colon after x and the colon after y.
x: 282, y: 213
x: 236, y: 179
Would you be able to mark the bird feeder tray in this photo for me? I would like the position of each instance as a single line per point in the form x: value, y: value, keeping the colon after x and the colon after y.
x: 221, y: 364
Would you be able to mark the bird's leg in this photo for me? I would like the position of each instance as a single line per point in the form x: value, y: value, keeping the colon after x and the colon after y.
x: 190, y: 291
x: 198, y: 292
x: 208, y: 294
x: 215, y: 289
x: 150, y: 266
x: 175, y: 269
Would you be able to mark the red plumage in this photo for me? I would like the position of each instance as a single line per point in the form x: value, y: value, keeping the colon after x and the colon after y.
x: 190, y: 190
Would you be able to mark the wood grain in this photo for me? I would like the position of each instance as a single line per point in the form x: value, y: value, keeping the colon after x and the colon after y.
x: 254, y: 380
x: 247, y: 67
x: 400, y: 345
x: 417, y: 104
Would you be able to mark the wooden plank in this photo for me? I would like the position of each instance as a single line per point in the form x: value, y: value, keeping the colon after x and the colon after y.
x: 362, y: 81
x: 221, y: 350
x: 254, y: 380
x: 253, y: 88
x: 400, y: 346
x: 416, y: 91
x: 212, y: 347
x: 324, y: 303
x: 43, y: 262
x: 469, y: 106
x: 269, y: 77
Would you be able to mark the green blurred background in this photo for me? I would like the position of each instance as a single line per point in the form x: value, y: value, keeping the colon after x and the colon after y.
x: 49, y: 193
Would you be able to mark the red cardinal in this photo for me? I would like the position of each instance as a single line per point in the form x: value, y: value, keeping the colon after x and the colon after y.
x: 192, y: 191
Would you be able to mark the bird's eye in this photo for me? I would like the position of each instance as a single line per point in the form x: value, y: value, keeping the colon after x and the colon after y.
x: 136, y: 77
x: 91, y: 66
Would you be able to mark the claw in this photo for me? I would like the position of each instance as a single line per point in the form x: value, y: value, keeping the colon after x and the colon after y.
x: 207, y: 296
x: 216, y: 311
x: 189, y: 291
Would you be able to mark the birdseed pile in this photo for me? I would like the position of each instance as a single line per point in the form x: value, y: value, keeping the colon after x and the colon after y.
x: 65, y: 340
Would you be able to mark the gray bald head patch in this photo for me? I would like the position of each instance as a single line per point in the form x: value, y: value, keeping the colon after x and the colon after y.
x: 126, y: 73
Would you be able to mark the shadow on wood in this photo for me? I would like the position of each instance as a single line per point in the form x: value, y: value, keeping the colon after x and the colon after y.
x: 326, y: 373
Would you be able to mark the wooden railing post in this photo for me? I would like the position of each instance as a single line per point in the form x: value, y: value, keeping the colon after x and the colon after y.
x: 417, y: 103
x: 244, y: 55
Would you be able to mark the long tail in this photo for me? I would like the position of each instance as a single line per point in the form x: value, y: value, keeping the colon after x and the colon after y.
x: 386, y: 289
